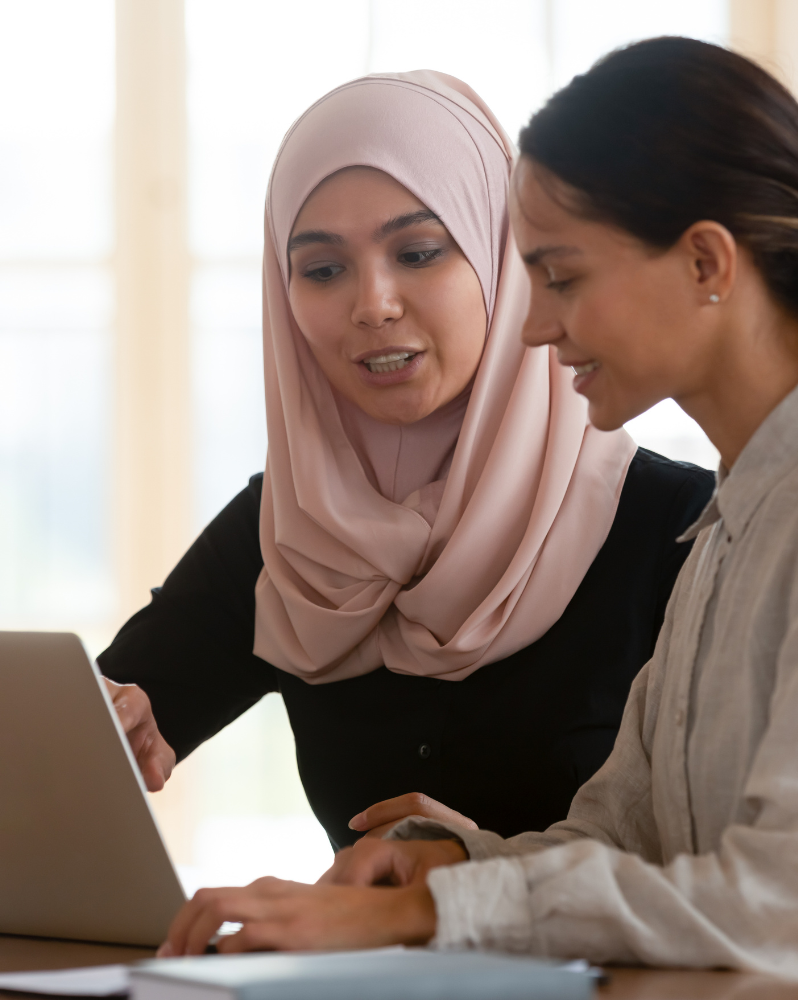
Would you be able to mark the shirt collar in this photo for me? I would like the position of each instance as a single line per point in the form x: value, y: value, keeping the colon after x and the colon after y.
x: 771, y: 453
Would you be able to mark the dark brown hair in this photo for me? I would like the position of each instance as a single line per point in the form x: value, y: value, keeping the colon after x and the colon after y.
x: 669, y: 131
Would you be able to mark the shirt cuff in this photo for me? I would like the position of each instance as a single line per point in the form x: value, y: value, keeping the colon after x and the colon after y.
x: 483, y: 905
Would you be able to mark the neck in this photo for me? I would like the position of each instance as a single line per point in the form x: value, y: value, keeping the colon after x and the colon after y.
x: 753, y: 370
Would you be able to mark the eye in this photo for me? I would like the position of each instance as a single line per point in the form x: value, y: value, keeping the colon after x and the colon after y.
x: 559, y: 286
x: 418, y: 258
x: 553, y: 284
x: 324, y: 273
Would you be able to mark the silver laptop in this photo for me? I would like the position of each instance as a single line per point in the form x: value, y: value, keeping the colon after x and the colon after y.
x: 81, y: 856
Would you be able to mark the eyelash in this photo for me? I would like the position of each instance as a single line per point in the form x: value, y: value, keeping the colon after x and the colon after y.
x: 427, y: 256
x: 315, y: 273
x: 559, y: 286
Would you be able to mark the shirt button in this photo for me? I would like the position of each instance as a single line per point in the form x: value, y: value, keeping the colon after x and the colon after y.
x: 680, y: 718
x: 424, y: 751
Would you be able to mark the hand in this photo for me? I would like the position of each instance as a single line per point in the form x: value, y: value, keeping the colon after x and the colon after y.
x: 391, y: 862
x: 292, y: 916
x: 153, y: 754
x: 378, y: 819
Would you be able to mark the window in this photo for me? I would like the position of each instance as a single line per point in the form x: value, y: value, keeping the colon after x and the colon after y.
x: 56, y: 315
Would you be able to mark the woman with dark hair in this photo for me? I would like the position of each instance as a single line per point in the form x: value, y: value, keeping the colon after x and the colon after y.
x: 656, y: 209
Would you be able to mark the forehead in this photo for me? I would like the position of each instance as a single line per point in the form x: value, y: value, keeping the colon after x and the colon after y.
x: 355, y: 195
x: 540, y: 215
x: 535, y: 208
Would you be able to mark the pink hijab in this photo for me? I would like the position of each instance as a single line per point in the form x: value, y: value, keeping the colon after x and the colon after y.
x: 439, y: 547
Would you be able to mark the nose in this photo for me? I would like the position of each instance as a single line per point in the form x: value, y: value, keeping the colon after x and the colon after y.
x: 377, y: 299
x: 541, y: 326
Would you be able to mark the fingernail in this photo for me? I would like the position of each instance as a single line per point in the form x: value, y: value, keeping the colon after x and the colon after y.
x: 353, y: 822
x: 165, y: 951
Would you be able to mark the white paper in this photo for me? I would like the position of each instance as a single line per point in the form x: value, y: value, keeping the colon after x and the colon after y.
x: 97, y: 981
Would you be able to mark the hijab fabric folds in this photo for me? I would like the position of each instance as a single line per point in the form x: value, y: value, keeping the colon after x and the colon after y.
x: 510, y: 491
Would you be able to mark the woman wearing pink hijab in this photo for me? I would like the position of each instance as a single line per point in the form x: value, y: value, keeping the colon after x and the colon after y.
x: 451, y: 577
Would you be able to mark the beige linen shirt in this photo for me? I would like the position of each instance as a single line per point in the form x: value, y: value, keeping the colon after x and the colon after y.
x: 683, y: 848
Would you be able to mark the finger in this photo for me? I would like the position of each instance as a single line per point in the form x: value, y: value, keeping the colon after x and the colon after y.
x: 252, y: 905
x: 208, y: 922
x: 155, y: 757
x: 372, y: 862
x: 111, y: 687
x: 346, y: 867
x: 255, y: 936
x: 156, y: 763
x: 387, y: 813
x: 236, y: 905
x: 270, y: 885
x: 378, y: 832
x: 186, y: 917
x: 132, y: 707
x: 178, y: 929
x: 155, y: 773
x: 131, y: 704
x: 391, y: 811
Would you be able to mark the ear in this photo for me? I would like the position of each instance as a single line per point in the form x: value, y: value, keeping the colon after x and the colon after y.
x: 711, y: 254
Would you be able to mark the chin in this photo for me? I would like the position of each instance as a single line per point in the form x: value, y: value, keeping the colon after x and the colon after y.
x: 390, y: 416
x: 406, y: 413
x: 606, y: 418
x: 612, y: 414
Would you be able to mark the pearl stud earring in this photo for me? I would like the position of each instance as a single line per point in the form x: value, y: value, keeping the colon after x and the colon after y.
x: 714, y: 299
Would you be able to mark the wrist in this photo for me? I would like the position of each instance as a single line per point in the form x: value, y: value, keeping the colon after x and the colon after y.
x: 454, y: 850
x: 416, y: 914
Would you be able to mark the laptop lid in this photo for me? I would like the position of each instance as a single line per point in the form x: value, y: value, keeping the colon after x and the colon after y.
x: 81, y: 855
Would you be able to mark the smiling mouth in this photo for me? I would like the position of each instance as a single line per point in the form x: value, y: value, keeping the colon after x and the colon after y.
x: 585, y: 369
x: 389, y: 362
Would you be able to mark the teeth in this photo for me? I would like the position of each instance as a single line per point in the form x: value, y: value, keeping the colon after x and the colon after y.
x: 388, y: 362
x: 585, y: 369
x: 385, y: 359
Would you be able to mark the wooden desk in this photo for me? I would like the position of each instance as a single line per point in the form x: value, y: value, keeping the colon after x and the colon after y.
x: 18, y: 954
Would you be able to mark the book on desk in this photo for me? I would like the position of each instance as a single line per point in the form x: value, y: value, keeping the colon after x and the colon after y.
x: 388, y: 974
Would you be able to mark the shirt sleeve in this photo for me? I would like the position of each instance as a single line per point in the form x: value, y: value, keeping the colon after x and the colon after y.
x: 190, y: 649
x: 602, y: 893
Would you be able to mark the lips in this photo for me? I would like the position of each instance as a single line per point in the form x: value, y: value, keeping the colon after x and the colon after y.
x: 391, y: 362
x: 389, y: 367
x: 585, y: 368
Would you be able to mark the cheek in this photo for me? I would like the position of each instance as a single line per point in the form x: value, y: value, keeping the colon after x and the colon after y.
x: 315, y: 315
x: 453, y: 311
x: 629, y: 322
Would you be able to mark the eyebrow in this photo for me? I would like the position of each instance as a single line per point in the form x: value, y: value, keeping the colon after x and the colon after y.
x: 536, y: 256
x: 405, y: 221
x: 394, y: 225
x: 314, y: 236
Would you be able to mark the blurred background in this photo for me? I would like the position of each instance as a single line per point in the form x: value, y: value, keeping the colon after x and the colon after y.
x: 136, y: 140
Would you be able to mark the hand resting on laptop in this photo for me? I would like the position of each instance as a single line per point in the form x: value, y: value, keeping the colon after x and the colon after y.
x: 153, y: 754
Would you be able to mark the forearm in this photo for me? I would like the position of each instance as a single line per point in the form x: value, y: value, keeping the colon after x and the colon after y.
x: 194, y: 666
x: 592, y: 901
x: 190, y: 649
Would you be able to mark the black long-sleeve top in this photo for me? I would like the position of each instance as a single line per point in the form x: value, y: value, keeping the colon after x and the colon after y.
x: 508, y: 746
